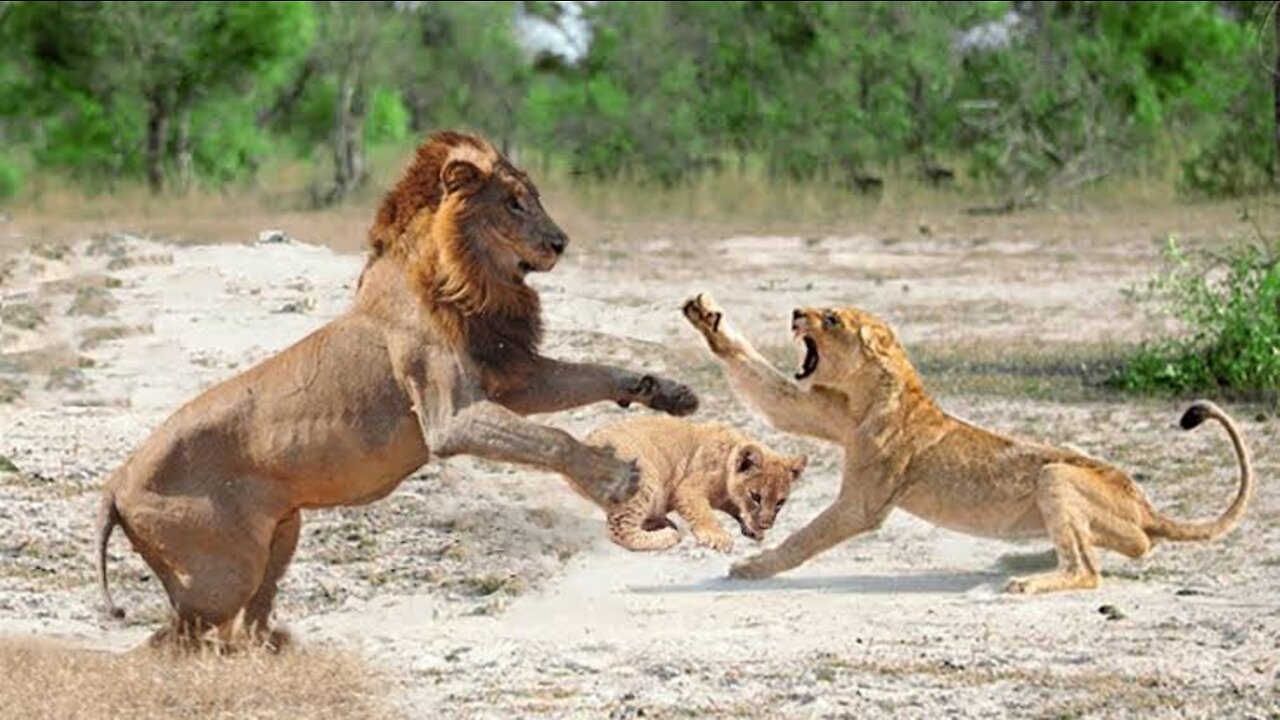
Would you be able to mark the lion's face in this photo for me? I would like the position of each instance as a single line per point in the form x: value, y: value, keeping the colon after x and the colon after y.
x: 840, y: 345
x: 759, y: 483
x: 500, y: 215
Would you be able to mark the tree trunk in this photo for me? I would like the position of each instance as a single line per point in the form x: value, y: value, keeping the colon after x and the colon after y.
x: 348, y: 138
x: 186, y: 159
x: 157, y: 130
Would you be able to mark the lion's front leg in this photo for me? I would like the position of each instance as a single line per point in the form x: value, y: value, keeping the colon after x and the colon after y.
x: 556, y: 385
x: 486, y: 429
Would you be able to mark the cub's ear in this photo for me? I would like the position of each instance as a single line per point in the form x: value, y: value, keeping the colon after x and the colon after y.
x: 747, y: 458
x: 798, y: 464
x: 459, y: 175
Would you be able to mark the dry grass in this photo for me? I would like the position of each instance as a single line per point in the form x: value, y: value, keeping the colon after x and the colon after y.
x: 42, y: 680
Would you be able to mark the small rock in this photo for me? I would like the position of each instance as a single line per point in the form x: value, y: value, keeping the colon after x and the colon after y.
x: 456, y: 653
x: 297, y: 306
x: 626, y: 712
x: 1260, y: 417
x: 273, y: 236
x: 1111, y: 612
x: 7, y: 466
x: 1185, y: 592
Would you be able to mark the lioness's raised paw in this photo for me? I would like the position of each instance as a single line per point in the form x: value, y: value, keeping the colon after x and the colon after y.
x: 664, y: 395
x: 702, y: 312
x: 756, y: 567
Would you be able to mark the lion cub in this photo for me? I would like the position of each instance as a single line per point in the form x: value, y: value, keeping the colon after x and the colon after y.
x: 694, y: 469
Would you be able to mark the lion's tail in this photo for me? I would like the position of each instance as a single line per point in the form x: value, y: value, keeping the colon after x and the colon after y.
x: 1170, y: 529
x: 108, y: 518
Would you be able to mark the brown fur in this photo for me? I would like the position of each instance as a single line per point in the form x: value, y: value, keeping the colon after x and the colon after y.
x: 437, y: 355
x: 858, y: 389
x: 694, y: 469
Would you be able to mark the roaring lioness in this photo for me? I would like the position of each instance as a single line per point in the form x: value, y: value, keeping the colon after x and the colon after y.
x: 438, y: 354
x: 856, y: 388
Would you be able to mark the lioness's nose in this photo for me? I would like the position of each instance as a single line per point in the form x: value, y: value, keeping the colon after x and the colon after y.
x: 558, y: 243
x: 797, y: 314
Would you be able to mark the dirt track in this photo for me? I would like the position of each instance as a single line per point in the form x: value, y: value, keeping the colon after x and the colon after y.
x: 490, y: 591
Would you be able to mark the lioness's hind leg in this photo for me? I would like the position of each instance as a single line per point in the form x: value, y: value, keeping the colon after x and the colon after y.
x: 258, y: 612
x: 1065, y: 511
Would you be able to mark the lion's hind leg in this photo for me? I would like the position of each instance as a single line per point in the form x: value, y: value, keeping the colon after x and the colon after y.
x: 257, y: 613
x: 1062, y: 497
x: 637, y: 525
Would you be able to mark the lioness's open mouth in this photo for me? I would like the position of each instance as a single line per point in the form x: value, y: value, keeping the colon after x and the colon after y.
x: 525, y: 268
x: 810, y: 358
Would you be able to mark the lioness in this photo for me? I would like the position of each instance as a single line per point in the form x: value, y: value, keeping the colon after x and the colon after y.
x: 856, y: 388
x: 438, y: 354
x: 694, y: 469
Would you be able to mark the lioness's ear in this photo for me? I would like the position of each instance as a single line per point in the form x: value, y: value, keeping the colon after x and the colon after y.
x: 876, y: 339
x: 748, y: 458
x: 459, y: 175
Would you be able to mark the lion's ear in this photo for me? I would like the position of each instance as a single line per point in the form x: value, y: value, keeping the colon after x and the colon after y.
x: 798, y: 464
x: 458, y: 175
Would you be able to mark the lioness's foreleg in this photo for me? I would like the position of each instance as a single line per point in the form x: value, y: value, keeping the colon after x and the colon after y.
x: 831, y: 527
x: 1065, y: 510
x: 784, y: 404
x: 556, y: 386
x: 486, y: 429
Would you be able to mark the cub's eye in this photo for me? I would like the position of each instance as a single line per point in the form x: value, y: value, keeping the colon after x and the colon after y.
x: 781, y: 502
x: 830, y: 320
x: 755, y: 498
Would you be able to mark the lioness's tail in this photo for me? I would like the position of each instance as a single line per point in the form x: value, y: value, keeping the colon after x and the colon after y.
x: 1170, y: 529
x: 108, y: 518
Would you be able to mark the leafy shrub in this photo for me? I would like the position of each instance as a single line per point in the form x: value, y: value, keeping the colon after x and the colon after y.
x: 1229, y: 305
x: 10, y: 179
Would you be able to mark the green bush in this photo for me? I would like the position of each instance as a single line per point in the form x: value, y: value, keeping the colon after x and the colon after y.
x: 1229, y: 305
x: 10, y: 179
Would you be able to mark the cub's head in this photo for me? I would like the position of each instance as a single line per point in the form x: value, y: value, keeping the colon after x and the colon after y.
x: 759, y: 484
x: 474, y: 220
x: 847, y: 349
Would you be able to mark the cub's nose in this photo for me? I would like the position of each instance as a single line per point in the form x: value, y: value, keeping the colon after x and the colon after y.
x: 797, y: 314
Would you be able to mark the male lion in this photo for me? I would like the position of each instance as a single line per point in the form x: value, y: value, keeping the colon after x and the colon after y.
x: 437, y: 355
x: 857, y: 389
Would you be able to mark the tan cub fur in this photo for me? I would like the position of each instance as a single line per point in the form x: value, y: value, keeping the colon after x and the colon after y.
x: 693, y: 469
x: 857, y: 389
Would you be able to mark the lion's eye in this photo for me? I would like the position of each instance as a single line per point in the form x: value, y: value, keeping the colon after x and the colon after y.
x: 755, y: 498
x: 830, y: 320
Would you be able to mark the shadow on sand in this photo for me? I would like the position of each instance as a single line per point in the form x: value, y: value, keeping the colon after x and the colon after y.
x: 959, y: 582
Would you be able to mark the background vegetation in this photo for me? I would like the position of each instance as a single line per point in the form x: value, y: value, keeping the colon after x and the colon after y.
x: 1023, y: 99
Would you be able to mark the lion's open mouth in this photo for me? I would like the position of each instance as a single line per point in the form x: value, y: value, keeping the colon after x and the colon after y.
x: 810, y: 358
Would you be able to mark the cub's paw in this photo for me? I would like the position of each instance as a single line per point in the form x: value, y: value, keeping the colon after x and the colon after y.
x: 717, y: 540
x: 756, y: 567
x: 665, y: 395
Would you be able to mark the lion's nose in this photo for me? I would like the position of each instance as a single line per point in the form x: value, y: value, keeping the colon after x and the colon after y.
x: 558, y: 243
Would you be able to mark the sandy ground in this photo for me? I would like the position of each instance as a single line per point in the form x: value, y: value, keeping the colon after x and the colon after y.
x: 481, y: 590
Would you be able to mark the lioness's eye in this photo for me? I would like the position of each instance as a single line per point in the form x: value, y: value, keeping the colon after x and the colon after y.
x: 755, y: 498
x: 514, y: 205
